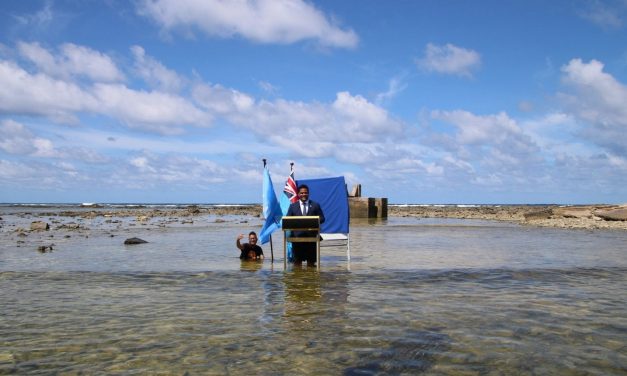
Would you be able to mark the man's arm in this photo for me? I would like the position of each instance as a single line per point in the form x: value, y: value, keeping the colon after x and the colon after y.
x: 321, y: 214
x: 238, y: 244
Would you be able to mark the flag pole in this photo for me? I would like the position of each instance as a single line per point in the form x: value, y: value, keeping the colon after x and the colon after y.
x: 271, y: 250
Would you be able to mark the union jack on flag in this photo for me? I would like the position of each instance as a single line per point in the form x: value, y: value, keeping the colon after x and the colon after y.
x: 290, y: 189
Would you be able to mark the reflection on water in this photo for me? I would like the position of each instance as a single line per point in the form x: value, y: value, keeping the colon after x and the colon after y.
x: 434, y: 299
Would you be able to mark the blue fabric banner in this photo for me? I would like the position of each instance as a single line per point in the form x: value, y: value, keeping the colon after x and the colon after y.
x: 332, y: 196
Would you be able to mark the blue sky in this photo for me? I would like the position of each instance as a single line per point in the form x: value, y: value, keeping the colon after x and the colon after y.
x: 419, y: 101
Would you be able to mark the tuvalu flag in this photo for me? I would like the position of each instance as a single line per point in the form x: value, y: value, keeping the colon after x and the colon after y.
x: 271, y: 209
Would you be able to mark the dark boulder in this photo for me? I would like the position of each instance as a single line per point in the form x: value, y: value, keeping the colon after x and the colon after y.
x: 134, y: 241
x: 45, y: 248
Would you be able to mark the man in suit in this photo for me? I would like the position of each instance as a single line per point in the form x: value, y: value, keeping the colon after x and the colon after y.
x: 305, y: 251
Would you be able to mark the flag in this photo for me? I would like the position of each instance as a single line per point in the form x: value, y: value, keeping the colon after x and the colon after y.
x: 289, y: 196
x: 290, y: 193
x: 271, y: 209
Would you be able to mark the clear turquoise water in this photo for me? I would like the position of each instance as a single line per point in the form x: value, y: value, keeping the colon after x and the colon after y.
x: 440, y: 297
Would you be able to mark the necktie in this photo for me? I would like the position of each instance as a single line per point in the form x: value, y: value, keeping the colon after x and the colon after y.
x: 304, y: 208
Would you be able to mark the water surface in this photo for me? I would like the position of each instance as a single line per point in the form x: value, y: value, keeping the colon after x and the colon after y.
x: 440, y: 297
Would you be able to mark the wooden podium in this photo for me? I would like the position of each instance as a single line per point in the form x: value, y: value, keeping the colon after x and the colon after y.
x: 301, y: 223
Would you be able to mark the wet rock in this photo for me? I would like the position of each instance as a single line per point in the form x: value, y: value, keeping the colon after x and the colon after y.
x: 612, y: 215
x: 45, y: 248
x: 70, y: 226
x: 39, y: 226
x: 540, y: 214
x: 134, y: 241
x: 193, y: 209
x: 573, y: 212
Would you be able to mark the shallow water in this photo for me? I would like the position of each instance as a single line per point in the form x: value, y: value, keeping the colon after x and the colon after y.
x: 417, y: 296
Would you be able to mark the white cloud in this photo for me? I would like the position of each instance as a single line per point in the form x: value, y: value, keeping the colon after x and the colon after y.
x: 72, y: 60
x: 222, y: 101
x: 39, y: 94
x: 17, y: 173
x: 450, y: 59
x: 268, y: 87
x: 604, y: 15
x: 150, y: 169
x: 598, y: 99
x: 359, y: 153
x: 395, y: 86
x: 320, y: 130
x: 15, y: 138
x: 306, y: 129
x: 155, y: 73
x: 404, y: 168
x: 154, y: 111
x: 490, y: 180
x: 476, y: 129
x: 39, y: 20
x: 264, y: 21
x: 495, y: 142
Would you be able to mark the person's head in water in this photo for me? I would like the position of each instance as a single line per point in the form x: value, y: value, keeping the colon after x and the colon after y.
x: 252, y: 238
x: 303, y: 192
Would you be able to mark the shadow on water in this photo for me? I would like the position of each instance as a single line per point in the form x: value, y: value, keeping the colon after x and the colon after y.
x: 251, y: 265
x: 416, y: 352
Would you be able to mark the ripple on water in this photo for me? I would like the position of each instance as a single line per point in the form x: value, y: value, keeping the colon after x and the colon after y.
x: 463, y: 297
x: 269, y: 322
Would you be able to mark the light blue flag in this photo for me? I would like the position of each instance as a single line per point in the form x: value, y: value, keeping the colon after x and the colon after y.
x: 271, y: 209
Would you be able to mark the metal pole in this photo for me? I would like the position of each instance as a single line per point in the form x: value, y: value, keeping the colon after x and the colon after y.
x: 271, y: 250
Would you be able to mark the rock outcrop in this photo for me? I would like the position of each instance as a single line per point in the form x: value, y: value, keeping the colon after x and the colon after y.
x: 134, y: 241
x: 39, y: 226
x: 612, y: 214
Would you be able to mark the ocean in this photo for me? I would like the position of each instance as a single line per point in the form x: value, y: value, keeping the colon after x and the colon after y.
x: 416, y: 296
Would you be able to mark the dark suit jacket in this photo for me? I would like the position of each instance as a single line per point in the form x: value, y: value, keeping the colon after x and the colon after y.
x: 313, y: 209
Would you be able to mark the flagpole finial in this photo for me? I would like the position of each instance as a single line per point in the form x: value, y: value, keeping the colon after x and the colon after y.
x: 291, y: 166
x: 264, y: 162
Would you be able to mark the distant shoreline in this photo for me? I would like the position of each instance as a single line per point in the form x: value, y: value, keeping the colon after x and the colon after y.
x: 559, y: 216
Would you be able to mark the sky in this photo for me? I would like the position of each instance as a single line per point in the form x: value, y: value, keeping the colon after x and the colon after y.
x: 419, y: 101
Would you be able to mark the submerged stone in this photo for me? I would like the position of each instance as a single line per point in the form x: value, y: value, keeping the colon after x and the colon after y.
x: 134, y: 241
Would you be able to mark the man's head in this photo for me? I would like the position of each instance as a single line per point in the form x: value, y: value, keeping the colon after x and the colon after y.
x: 252, y: 238
x: 303, y: 192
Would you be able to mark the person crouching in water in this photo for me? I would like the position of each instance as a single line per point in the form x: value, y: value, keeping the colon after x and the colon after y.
x: 250, y: 250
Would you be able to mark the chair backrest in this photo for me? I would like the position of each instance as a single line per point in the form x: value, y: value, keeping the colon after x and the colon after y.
x: 332, y: 196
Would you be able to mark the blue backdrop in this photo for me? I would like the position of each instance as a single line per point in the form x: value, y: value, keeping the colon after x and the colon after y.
x: 332, y: 196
